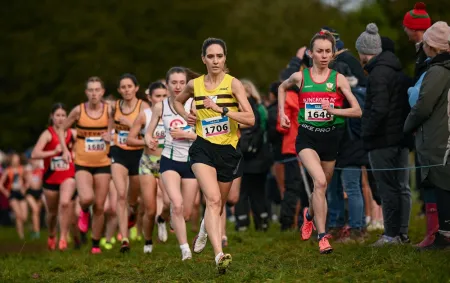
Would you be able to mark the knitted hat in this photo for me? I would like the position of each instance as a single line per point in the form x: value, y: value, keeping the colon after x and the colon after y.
x: 387, y: 44
x: 418, y: 18
x: 335, y: 34
x: 437, y: 36
x: 369, y: 42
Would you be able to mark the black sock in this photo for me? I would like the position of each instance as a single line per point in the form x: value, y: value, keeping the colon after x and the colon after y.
x: 148, y: 242
x: 160, y: 219
x: 308, y: 217
x: 321, y: 235
x: 85, y: 210
x: 95, y: 243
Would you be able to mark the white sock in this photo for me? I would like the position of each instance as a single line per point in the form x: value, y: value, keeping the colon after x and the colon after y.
x: 184, y: 247
x: 218, y: 256
x: 202, y: 231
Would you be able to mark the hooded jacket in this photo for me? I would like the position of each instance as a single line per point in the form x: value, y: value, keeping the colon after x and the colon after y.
x: 429, y: 119
x: 386, y: 105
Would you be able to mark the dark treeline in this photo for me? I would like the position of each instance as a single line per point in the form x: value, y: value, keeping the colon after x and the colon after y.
x: 49, y: 48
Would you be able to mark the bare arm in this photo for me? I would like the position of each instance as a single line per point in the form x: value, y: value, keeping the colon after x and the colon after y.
x: 179, y: 101
x: 294, y: 79
x: 3, y: 190
x: 156, y: 115
x: 38, y: 150
x: 74, y: 116
x: 355, y: 110
x: 134, y: 131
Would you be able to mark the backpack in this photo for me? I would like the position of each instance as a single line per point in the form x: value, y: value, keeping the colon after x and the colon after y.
x: 252, y: 138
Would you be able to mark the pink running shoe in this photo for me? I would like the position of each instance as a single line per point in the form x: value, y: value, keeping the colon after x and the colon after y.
x: 95, y: 251
x: 83, y: 221
x: 51, y: 243
x: 307, y: 226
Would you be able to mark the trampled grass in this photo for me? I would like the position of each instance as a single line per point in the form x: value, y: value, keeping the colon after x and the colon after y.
x: 257, y: 257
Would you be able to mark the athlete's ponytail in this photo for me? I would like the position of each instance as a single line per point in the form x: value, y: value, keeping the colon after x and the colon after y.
x: 325, y: 35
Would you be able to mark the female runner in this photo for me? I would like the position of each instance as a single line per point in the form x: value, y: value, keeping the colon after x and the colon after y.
x: 34, y: 194
x: 215, y: 156
x: 92, y: 164
x: 59, y: 182
x: 125, y: 158
x: 149, y: 163
x: 178, y: 179
x: 321, y: 126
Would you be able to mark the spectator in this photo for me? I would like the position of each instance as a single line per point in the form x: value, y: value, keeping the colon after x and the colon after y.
x: 428, y: 118
x: 385, y: 110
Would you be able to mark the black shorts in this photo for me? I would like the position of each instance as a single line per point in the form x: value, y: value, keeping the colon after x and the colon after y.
x: 94, y: 170
x: 17, y: 195
x: 225, y: 158
x: 55, y: 188
x: 182, y: 168
x: 325, y: 141
x: 36, y: 194
x: 128, y: 158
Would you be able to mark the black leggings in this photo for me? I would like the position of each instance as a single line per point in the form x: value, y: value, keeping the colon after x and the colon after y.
x: 252, y: 194
x: 443, y: 206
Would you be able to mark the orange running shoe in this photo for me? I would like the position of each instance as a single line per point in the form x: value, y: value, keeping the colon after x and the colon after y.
x: 62, y: 245
x: 307, y: 226
x: 51, y: 243
x: 324, y: 246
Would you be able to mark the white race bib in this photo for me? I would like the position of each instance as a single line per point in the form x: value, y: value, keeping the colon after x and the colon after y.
x: 215, y: 126
x: 315, y: 113
x: 94, y: 144
x: 160, y: 133
x: 122, y: 137
x: 58, y: 164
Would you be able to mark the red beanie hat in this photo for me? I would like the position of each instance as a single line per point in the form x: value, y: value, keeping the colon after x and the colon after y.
x: 418, y: 18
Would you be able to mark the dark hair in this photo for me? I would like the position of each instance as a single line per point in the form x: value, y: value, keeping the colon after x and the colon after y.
x: 210, y: 41
x: 274, y: 88
x: 129, y: 76
x: 155, y: 85
x: 188, y: 72
x: 55, y: 107
x: 326, y: 35
x: 95, y: 79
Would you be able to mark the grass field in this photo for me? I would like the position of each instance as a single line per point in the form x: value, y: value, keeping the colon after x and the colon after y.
x: 257, y: 257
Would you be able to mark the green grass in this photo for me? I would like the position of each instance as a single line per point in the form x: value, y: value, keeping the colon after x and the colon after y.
x: 257, y: 257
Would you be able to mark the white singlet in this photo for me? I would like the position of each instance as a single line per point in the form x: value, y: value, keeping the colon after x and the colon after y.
x: 176, y: 149
x: 159, y: 132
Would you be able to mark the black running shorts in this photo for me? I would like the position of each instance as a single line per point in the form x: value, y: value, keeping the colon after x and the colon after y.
x: 325, y: 141
x: 130, y: 159
x: 94, y: 170
x: 225, y: 158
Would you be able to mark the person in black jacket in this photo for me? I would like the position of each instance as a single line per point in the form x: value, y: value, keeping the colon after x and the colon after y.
x: 385, y: 111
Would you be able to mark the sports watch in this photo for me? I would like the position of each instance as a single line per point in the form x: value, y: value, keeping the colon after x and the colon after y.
x: 224, y: 111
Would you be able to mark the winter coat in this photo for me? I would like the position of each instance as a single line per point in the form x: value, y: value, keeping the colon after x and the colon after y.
x: 386, y: 105
x: 429, y: 119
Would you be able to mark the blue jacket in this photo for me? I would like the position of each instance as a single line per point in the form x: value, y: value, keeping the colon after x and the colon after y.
x: 413, y: 92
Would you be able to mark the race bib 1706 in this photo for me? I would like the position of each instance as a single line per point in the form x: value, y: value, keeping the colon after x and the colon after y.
x: 315, y: 113
x: 58, y: 164
x: 215, y: 126
x: 94, y: 144
x: 122, y: 137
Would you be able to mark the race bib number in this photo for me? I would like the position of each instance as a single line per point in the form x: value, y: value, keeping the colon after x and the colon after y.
x: 94, y: 144
x: 160, y: 133
x: 58, y: 164
x: 122, y: 137
x: 315, y: 113
x: 215, y: 126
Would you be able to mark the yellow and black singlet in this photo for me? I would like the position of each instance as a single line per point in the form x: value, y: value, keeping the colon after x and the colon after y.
x: 211, y: 125
x: 90, y: 148
x: 122, y: 131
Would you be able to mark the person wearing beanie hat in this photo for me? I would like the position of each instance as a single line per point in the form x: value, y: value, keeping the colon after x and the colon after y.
x: 426, y: 119
x: 368, y: 43
x: 385, y: 110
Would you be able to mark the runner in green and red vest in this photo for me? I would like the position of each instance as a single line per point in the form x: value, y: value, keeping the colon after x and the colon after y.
x: 321, y: 126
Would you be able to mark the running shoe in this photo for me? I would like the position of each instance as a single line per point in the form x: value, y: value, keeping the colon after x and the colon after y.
x: 223, y: 263
x: 133, y: 233
x: 324, y: 246
x: 113, y: 240
x: 199, y: 243
x: 96, y: 250
x: 125, y: 247
x: 62, y: 246
x: 51, y: 243
x: 307, y: 227
x: 148, y: 249
x: 386, y: 240
x: 83, y: 221
x: 162, y: 232
x: 186, y: 254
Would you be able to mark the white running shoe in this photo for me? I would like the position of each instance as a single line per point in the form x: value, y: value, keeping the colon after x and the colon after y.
x: 162, y: 232
x: 200, y: 243
x: 148, y: 249
x: 186, y: 254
